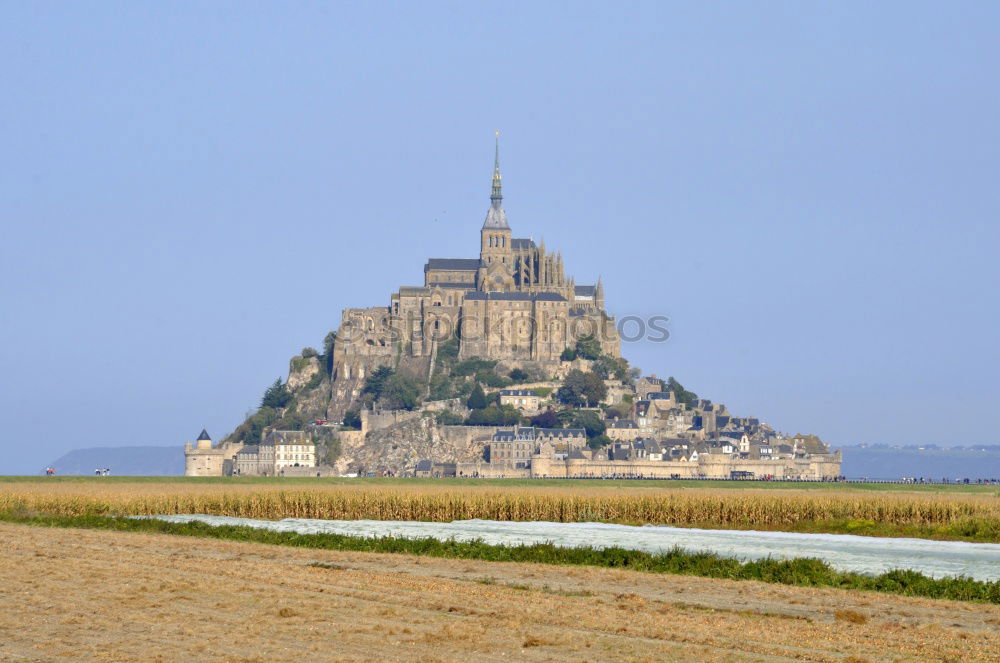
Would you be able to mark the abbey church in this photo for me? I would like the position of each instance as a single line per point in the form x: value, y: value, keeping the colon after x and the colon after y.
x: 513, y: 303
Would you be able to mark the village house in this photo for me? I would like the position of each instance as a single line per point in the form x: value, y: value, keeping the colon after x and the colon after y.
x: 525, y: 400
x: 647, y: 385
x: 280, y: 451
x: 622, y: 429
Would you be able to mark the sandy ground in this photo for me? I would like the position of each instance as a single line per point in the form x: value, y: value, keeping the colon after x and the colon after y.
x: 83, y: 595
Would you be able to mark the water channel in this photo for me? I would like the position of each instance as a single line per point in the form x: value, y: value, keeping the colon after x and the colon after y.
x: 861, y: 554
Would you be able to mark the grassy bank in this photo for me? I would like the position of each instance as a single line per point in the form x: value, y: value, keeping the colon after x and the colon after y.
x: 799, y: 572
x: 965, y: 517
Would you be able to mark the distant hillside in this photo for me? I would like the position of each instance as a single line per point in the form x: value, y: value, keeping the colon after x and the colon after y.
x: 123, y: 461
x: 885, y: 462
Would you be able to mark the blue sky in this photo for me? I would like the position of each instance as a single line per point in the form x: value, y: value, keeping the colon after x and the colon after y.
x: 190, y: 193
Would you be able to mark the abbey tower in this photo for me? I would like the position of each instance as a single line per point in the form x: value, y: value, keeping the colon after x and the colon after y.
x: 513, y: 303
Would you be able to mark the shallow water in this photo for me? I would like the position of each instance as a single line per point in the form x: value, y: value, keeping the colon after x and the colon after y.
x: 861, y: 554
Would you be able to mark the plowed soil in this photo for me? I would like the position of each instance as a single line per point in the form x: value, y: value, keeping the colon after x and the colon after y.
x: 89, y: 595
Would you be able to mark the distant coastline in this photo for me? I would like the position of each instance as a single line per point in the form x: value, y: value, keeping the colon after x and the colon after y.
x: 893, y: 462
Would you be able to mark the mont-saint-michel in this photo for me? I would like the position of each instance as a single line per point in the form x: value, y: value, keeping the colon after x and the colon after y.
x: 563, y: 393
x: 501, y: 365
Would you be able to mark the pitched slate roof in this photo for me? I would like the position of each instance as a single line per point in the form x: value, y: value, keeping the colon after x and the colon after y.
x: 496, y: 218
x: 517, y: 392
x: 585, y: 290
x: 516, y: 296
x: 619, y: 453
x: 522, y: 244
x: 453, y: 264
x: 561, y: 432
x: 463, y: 286
x: 519, y: 433
x: 423, y: 466
x: 204, y: 435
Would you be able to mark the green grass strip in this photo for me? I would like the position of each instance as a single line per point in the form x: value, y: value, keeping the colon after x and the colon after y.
x: 802, y: 572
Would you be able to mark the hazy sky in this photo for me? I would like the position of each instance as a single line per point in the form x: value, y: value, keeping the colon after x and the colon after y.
x: 190, y: 193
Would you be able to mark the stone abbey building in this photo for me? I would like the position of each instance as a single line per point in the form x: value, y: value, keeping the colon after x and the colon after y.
x: 514, y: 303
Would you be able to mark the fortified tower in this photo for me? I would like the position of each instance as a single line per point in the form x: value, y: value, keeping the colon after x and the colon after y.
x: 201, y: 459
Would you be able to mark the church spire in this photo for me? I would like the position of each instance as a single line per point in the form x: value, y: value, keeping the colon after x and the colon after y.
x: 495, y: 216
x: 496, y: 196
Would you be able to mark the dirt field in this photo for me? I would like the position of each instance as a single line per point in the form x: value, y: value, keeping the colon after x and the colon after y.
x: 88, y: 595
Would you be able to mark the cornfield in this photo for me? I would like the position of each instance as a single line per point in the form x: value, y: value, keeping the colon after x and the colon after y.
x: 731, y: 509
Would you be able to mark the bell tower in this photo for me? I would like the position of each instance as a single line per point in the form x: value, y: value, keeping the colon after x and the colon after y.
x: 495, y: 236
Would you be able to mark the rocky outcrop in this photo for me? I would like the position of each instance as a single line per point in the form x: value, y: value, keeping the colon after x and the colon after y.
x: 397, y: 448
x: 301, y: 370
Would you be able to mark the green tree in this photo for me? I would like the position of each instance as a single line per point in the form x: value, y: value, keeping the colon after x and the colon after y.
x: 618, y: 411
x: 400, y: 392
x: 375, y: 382
x: 571, y: 391
x: 581, y: 389
x: 589, y: 421
x: 277, y: 396
x: 491, y: 379
x: 598, y: 441
x: 448, y: 418
x: 352, y: 419
x: 517, y: 375
x: 472, y: 366
x: 441, y: 387
x: 292, y: 421
x: 494, y: 416
x: 588, y: 347
x: 328, y: 342
x: 568, y: 354
x: 680, y: 393
x: 251, y: 430
x: 565, y: 417
x: 612, y: 367
x: 547, y: 419
x: 308, y: 352
x: 477, y: 399
x: 595, y: 390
